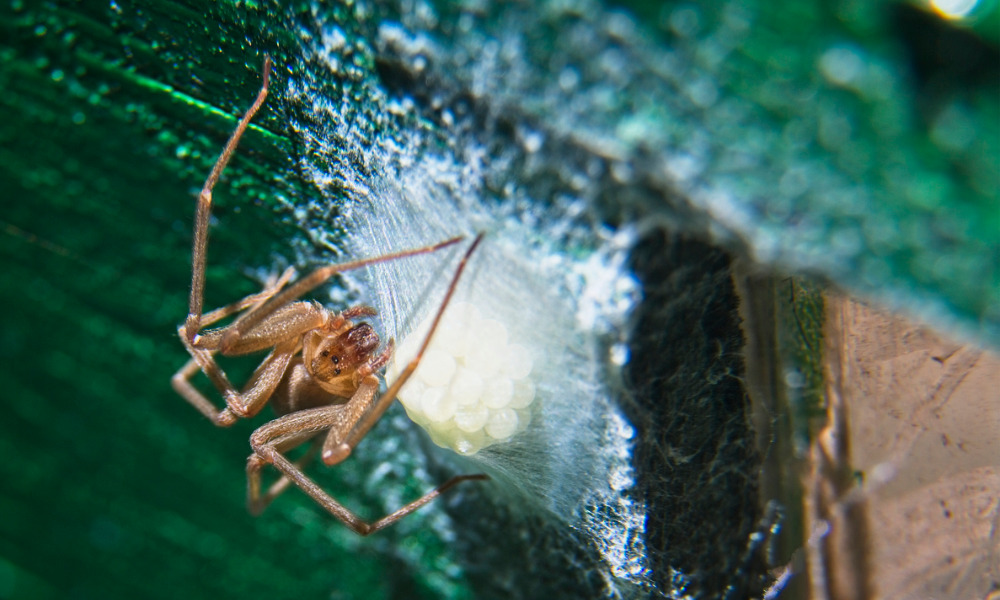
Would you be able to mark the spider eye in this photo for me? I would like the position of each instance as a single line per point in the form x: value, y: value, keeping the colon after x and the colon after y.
x: 336, y: 371
x: 335, y: 359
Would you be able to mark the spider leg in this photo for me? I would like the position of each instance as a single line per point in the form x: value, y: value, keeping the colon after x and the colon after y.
x: 181, y: 380
x: 283, y: 331
x: 268, y: 440
x: 256, y: 503
x: 239, y: 404
x: 252, y: 318
x: 204, y: 210
x: 250, y: 302
x: 351, y: 413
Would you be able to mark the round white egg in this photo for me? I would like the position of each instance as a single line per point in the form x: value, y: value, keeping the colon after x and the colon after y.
x: 472, y: 387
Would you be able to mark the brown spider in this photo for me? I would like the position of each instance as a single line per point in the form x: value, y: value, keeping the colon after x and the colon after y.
x: 320, y: 375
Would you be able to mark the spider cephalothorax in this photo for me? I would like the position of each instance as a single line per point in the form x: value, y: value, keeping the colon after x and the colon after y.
x: 335, y: 358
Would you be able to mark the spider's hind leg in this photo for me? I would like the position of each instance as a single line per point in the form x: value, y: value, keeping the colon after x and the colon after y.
x: 256, y: 502
x: 267, y: 442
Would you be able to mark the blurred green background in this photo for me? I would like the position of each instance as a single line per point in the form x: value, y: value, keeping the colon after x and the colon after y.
x: 114, y: 112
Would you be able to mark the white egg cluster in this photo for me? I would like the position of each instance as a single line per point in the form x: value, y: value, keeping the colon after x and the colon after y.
x: 471, y: 389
